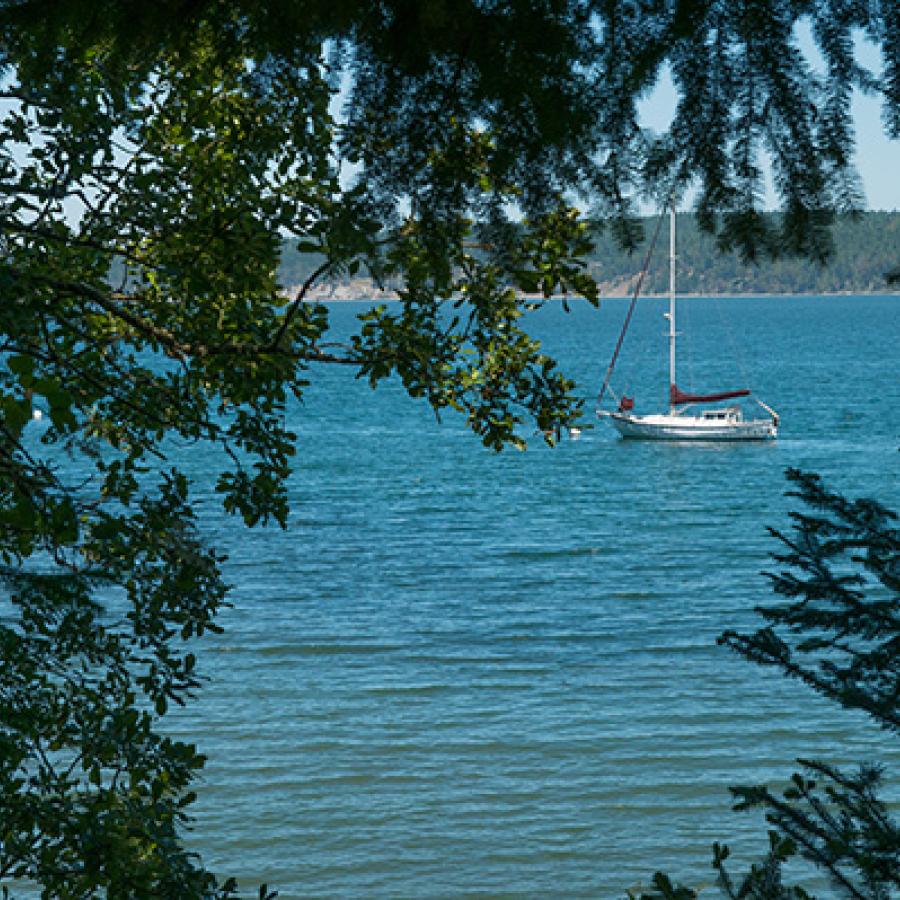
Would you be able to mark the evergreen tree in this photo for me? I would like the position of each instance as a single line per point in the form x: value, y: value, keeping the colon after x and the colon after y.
x: 837, y: 632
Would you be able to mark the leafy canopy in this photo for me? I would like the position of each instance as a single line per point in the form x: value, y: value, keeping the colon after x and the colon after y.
x: 153, y: 158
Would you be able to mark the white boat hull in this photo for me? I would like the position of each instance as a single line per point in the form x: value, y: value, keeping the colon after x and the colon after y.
x: 692, y: 428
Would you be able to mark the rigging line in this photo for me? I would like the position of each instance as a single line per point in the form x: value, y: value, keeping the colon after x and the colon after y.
x: 634, y: 299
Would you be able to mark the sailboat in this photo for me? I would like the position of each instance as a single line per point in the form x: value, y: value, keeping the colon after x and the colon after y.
x: 682, y: 422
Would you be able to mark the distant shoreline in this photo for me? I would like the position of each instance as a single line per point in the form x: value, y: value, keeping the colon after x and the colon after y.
x: 864, y: 249
x: 322, y: 296
x: 733, y: 296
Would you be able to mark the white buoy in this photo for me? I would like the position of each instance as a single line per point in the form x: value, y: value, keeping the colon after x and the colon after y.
x: 37, y: 415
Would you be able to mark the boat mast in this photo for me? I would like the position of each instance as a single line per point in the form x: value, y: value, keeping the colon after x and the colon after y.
x: 634, y: 300
x: 671, y: 313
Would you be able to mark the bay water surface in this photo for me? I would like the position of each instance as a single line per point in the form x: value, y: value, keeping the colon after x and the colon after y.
x: 464, y: 674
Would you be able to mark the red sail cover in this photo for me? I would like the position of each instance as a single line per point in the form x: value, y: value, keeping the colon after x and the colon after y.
x: 677, y: 397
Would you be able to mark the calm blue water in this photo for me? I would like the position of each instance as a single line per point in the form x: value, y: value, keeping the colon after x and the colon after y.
x: 462, y: 674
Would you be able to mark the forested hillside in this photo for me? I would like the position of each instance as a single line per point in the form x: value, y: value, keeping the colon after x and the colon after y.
x: 866, y: 248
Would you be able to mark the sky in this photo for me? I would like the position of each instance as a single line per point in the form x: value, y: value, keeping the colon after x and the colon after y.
x: 877, y: 158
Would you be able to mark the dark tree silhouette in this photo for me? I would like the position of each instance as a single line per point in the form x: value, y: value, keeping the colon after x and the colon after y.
x: 837, y: 632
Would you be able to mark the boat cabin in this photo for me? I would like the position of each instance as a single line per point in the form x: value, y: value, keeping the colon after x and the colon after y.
x: 729, y: 414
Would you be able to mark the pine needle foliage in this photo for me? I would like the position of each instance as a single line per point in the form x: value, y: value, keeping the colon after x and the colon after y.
x: 837, y: 632
x: 839, y: 629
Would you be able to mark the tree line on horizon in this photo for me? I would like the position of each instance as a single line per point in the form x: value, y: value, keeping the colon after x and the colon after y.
x: 865, y: 251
